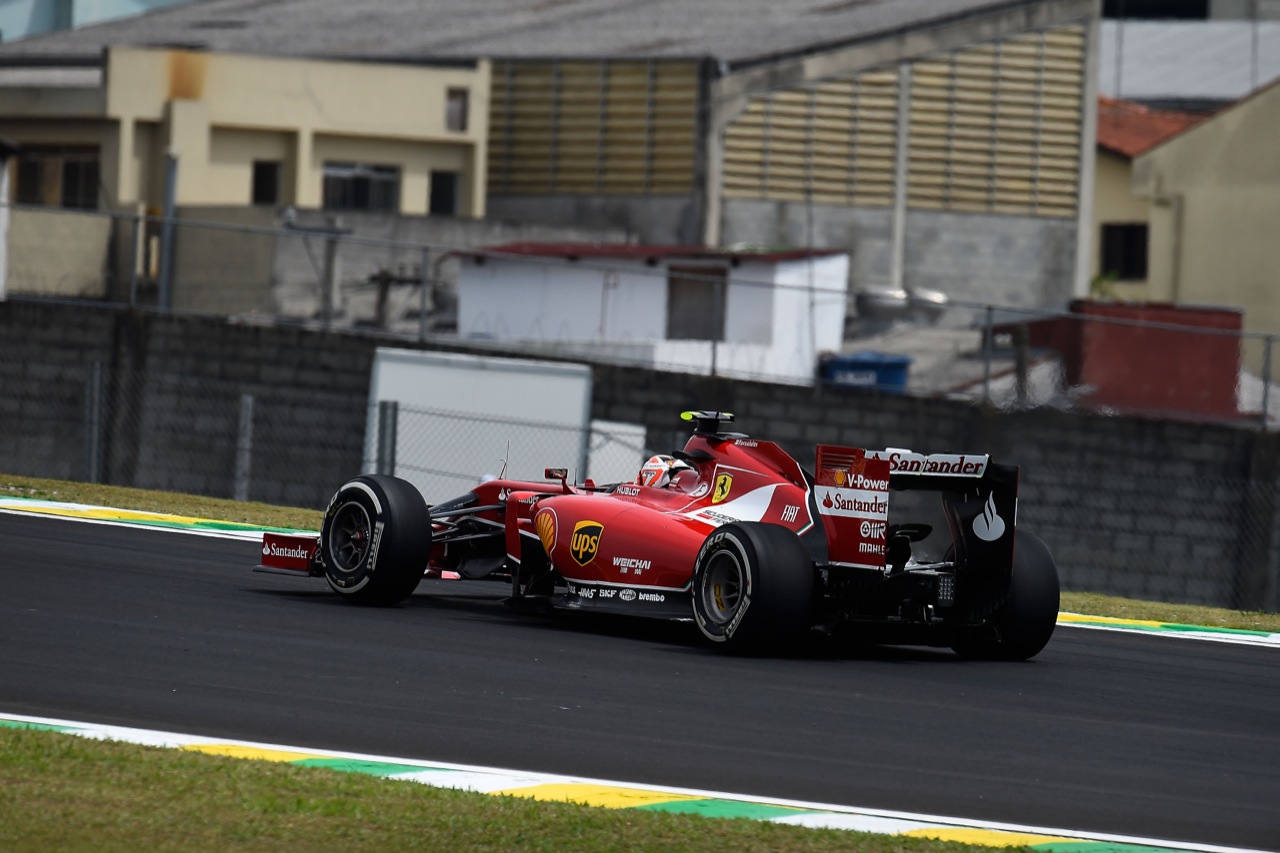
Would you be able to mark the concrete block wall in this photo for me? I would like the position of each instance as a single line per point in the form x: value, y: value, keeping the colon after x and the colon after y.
x: 983, y: 258
x: 1153, y: 509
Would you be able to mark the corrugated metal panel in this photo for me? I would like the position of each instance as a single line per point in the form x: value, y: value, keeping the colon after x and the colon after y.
x: 593, y: 127
x: 829, y: 141
x: 994, y: 128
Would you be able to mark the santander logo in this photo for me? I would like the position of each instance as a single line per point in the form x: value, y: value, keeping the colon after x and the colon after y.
x: 989, y: 526
x: 295, y: 552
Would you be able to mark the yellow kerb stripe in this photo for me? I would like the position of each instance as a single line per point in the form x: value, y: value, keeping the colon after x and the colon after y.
x: 986, y: 837
x: 1111, y: 620
x: 596, y: 795
x: 112, y: 514
x: 233, y: 751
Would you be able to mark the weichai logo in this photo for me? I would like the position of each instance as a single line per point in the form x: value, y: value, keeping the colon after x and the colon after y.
x: 585, y: 541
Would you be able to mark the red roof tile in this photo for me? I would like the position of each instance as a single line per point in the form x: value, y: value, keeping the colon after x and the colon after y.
x: 1131, y: 129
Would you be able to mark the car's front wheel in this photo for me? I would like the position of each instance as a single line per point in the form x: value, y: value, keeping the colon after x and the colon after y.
x: 375, y: 540
x: 752, y: 584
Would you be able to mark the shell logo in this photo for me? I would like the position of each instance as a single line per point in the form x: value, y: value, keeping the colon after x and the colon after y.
x: 840, y: 476
x: 546, y: 526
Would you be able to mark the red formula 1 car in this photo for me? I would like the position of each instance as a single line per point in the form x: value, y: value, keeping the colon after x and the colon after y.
x: 730, y: 533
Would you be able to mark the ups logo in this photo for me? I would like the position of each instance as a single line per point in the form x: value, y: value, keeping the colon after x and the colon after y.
x: 585, y: 541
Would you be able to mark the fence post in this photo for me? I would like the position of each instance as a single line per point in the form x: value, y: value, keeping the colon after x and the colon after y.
x: 93, y: 423
x: 987, y: 333
x: 166, y: 228
x: 388, y: 416
x: 244, y: 448
x: 133, y: 259
x: 424, y: 296
x: 329, y: 299
x: 1254, y: 577
x: 1266, y: 380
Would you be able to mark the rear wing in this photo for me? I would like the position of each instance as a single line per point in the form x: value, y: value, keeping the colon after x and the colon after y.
x: 852, y: 489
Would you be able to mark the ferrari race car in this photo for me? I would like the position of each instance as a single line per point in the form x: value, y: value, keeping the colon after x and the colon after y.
x: 730, y: 533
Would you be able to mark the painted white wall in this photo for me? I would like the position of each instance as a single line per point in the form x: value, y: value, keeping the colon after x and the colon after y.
x: 438, y: 393
x: 778, y: 315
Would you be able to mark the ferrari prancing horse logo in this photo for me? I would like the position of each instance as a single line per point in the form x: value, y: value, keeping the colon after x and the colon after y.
x: 585, y: 541
x: 724, y: 482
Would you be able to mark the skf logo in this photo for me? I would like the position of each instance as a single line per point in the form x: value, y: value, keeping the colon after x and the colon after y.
x: 585, y: 541
x: 546, y: 525
x: 724, y: 482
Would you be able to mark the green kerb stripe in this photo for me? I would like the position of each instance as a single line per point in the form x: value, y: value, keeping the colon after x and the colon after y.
x: 44, y: 727
x: 1097, y: 847
x: 722, y: 808
x: 371, y: 768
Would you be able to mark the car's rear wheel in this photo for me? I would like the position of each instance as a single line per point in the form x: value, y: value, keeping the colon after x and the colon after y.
x: 1025, y: 622
x: 375, y: 540
x: 752, y: 584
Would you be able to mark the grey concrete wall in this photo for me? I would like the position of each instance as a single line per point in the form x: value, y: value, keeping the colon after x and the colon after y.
x: 1152, y: 509
x: 243, y: 261
x: 659, y: 220
x: 57, y: 253
x: 1005, y: 260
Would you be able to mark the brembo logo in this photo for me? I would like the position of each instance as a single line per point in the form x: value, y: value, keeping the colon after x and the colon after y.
x: 585, y: 541
x: 298, y: 553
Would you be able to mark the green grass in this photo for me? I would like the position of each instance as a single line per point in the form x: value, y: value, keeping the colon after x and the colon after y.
x: 223, y: 509
x: 60, y: 792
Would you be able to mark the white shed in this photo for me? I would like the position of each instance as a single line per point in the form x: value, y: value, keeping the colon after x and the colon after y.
x: 758, y: 313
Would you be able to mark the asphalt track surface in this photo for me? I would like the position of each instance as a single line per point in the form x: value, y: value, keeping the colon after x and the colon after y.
x: 1104, y: 732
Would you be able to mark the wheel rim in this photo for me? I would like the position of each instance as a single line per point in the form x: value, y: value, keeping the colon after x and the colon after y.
x: 722, y: 587
x: 349, y: 536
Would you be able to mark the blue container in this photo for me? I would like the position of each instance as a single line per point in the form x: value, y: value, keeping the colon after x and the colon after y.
x: 872, y: 370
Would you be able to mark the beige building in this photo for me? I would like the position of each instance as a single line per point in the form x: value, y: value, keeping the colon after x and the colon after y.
x: 1214, y: 192
x: 941, y: 144
x: 1121, y: 220
x: 245, y: 130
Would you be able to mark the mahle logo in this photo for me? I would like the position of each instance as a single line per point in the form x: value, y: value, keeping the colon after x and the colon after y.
x: 585, y: 541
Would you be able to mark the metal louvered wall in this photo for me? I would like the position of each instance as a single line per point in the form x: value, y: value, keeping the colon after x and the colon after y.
x: 625, y: 127
x: 993, y: 128
x: 836, y: 137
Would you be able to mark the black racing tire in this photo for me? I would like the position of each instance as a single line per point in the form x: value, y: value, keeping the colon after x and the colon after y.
x: 375, y: 540
x: 752, y: 585
x: 1025, y: 622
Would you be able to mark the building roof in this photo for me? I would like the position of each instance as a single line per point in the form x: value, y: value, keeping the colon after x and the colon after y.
x: 732, y: 31
x: 631, y: 251
x: 1186, y: 61
x: 1131, y: 129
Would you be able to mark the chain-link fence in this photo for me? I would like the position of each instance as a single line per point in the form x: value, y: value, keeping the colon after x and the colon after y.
x: 250, y: 441
x: 1127, y: 508
x: 400, y: 277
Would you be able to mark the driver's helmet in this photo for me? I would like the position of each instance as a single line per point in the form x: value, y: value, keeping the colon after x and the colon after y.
x: 658, y: 470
